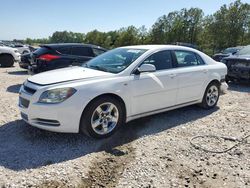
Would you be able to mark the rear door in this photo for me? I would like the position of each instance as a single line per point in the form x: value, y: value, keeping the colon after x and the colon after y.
x: 192, y: 75
x: 65, y: 59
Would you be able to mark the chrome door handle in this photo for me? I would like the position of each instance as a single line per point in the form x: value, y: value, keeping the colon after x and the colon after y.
x: 172, y: 75
x: 205, y: 70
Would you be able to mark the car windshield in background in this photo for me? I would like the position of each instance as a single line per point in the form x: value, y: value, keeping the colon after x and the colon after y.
x: 115, y: 60
x: 244, y: 51
x: 230, y: 50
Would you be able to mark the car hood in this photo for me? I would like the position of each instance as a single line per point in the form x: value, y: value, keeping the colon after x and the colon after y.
x: 66, y: 75
x: 239, y: 57
x: 221, y: 54
x: 6, y: 48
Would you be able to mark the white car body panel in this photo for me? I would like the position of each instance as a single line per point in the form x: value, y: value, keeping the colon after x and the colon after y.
x: 158, y: 85
x: 69, y: 73
x: 144, y: 94
x: 11, y: 51
x: 23, y: 50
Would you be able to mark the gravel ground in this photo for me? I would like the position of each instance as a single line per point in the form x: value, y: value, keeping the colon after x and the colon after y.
x: 149, y: 152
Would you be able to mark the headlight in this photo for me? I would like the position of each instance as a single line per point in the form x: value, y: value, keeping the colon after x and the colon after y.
x: 56, y: 95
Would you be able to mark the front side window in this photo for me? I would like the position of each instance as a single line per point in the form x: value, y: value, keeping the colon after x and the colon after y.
x: 186, y: 59
x: 116, y: 60
x: 161, y: 60
x: 64, y: 50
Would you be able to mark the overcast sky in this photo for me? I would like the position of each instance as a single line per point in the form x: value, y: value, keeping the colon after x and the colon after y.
x: 39, y: 19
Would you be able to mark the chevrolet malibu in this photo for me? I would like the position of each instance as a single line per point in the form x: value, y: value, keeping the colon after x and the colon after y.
x: 119, y: 86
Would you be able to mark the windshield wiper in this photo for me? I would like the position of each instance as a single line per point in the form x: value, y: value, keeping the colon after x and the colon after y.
x: 97, y: 67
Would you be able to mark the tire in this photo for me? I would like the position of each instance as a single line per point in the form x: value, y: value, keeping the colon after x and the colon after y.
x: 96, y: 120
x: 25, y: 52
x: 6, y: 60
x: 211, y: 96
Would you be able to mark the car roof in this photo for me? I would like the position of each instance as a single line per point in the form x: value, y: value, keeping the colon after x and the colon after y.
x: 59, y: 45
x: 159, y: 47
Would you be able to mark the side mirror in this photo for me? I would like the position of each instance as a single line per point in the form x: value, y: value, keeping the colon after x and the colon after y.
x: 145, y: 68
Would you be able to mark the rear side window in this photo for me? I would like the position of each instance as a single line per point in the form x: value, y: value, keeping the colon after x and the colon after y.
x: 161, y: 60
x: 65, y: 50
x: 18, y: 45
x: 98, y: 51
x: 186, y: 59
x: 82, y: 51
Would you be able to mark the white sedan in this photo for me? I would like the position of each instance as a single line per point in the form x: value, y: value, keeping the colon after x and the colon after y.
x: 121, y: 85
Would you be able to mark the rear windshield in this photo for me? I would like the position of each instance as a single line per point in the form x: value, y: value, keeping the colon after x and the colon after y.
x: 244, y: 51
x: 40, y: 51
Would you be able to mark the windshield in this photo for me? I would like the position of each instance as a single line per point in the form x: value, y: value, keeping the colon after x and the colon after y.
x: 230, y: 50
x: 116, y: 60
x: 244, y: 51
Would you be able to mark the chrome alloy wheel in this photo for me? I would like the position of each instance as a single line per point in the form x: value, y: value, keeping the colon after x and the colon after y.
x: 212, y: 95
x: 104, y: 118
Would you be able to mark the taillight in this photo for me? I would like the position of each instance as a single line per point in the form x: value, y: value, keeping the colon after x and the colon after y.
x: 48, y: 57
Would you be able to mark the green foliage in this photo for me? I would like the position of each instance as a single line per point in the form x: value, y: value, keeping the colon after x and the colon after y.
x: 229, y: 26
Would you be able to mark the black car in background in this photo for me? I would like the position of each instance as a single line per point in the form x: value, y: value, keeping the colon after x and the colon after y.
x: 54, y: 56
x: 227, y: 52
x: 25, y: 61
x: 238, y: 65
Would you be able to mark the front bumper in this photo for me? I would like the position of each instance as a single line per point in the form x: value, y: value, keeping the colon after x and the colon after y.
x: 223, y: 88
x: 17, y: 57
x: 239, y: 73
x: 63, y: 117
x: 23, y: 65
x: 239, y: 70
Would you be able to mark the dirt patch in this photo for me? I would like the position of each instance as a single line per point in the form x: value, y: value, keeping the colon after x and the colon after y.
x: 118, y: 153
x: 52, y: 184
x: 106, y: 171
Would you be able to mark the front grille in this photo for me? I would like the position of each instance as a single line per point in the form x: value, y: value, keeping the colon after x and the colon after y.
x: 24, y: 116
x: 24, y: 102
x: 29, y: 90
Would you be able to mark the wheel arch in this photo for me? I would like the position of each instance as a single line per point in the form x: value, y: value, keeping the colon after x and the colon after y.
x: 1, y: 54
x: 117, y: 97
x: 214, y: 81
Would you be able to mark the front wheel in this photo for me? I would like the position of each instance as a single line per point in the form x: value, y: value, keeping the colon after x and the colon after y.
x: 211, y: 96
x: 102, y: 117
x: 6, y: 60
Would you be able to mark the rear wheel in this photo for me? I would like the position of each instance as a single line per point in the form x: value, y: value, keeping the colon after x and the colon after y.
x: 6, y: 60
x: 211, y: 96
x: 102, y: 117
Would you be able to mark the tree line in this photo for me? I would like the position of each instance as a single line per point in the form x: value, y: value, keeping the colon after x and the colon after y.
x: 227, y: 27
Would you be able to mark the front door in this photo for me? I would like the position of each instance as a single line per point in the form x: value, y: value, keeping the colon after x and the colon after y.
x: 157, y: 90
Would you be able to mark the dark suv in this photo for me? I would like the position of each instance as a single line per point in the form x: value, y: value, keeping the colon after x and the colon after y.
x: 227, y: 52
x: 238, y: 65
x: 54, y: 56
